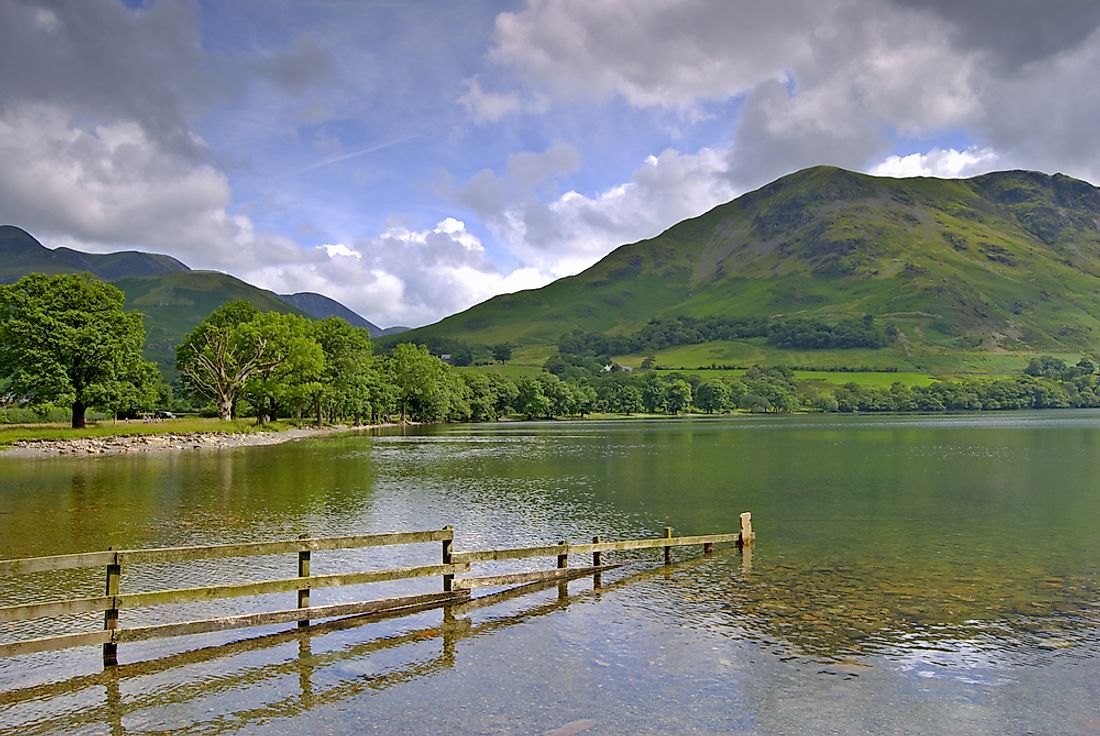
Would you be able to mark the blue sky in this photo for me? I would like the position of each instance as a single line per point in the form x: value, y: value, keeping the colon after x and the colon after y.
x: 413, y: 158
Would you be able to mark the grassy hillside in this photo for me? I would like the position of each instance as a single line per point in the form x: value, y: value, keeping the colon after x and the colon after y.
x: 174, y: 303
x: 21, y: 254
x: 972, y: 273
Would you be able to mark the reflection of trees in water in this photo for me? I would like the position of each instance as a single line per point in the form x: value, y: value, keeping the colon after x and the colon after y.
x: 845, y: 611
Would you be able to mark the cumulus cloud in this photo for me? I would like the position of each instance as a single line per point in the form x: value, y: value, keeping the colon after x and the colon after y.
x: 110, y: 183
x: 830, y: 81
x: 401, y: 276
x: 1045, y: 115
x: 1015, y: 32
x: 666, y: 54
x: 146, y: 66
x: 112, y: 186
x: 98, y: 128
x: 572, y: 231
x: 942, y: 163
x: 526, y: 174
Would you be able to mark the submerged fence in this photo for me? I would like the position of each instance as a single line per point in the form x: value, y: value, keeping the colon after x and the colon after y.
x: 453, y: 570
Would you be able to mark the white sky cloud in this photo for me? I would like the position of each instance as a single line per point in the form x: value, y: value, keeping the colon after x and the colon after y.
x: 667, y: 54
x: 111, y: 183
x: 945, y: 164
x: 401, y: 276
x: 572, y: 231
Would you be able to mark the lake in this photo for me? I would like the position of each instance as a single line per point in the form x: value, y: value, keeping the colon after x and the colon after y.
x: 926, y: 573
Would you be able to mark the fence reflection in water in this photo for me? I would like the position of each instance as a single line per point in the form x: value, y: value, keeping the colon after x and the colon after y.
x: 142, y: 695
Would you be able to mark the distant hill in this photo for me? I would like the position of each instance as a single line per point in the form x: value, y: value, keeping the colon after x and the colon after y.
x: 965, y: 272
x: 320, y: 307
x: 173, y: 303
x: 21, y: 254
x: 172, y: 297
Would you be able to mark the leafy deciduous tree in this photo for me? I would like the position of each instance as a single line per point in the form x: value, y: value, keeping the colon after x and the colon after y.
x: 66, y: 339
x: 289, y: 375
x: 217, y: 358
x: 420, y: 380
x: 351, y: 385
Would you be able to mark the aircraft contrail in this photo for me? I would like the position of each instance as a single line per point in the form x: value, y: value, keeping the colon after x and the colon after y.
x: 346, y: 156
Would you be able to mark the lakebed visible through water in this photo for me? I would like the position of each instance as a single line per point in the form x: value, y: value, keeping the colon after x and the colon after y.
x: 909, y: 574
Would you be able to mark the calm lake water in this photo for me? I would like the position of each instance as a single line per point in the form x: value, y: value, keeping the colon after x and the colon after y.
x: 911, y: 574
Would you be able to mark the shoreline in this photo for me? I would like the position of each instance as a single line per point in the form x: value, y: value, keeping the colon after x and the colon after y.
x: 126, y: 444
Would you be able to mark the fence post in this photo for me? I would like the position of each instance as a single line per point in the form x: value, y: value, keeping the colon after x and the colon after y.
x: 668, y: 550
x: 746, y: 528
x: 110, y: 616
x: 597, y: 556
x: 563, y: 563
x: 448, y: 580
x: 304, y: 557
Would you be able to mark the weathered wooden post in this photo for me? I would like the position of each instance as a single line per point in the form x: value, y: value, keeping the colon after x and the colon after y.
x: 448, y: 579
x: 597, y: 560
x: 304, y: 557
x: 110, y: 616
x: 746, y: 528
x: 563, y: 563
x: 668, y: 550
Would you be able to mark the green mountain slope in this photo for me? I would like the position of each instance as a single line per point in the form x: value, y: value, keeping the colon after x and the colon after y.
x: 21, y: 254
x: 1001, y: 264
x: 173, y: 303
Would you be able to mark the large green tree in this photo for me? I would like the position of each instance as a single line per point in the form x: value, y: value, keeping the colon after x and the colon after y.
x: 66, y: 339
x: 223, y: 352
x: 352, y: 384
x: 290, y: 375
x: 422, y: 382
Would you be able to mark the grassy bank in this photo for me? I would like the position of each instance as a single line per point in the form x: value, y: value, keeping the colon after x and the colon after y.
x: 16, y: 432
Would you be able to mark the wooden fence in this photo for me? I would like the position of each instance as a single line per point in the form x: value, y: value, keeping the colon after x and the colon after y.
x: 452, y: 565
x: 318, y: 674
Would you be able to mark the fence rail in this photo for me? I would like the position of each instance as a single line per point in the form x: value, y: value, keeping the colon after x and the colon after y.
x: 453, y: 564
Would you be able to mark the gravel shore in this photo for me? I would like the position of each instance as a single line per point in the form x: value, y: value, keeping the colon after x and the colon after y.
x: 143, y: 443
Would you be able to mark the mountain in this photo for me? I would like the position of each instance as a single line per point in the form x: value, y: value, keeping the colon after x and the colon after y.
x: 21, y: 254
x: 172, y: 297
x: 965, y: 272
x: 320, y: 306
x: 174, y: 303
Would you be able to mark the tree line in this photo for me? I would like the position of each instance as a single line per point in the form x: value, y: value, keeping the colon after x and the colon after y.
x: 684, y: 330
x: 65, y: 340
